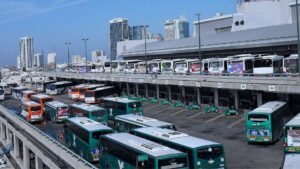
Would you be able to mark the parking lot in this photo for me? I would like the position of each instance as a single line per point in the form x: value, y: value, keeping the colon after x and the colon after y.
x: 228, y: 130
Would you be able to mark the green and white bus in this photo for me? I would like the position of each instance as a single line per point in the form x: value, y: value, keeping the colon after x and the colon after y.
x: 126, y: 151
x: 91, y: 111
x: 127, y: 122
x: 82, y: 135
x: 118, y: 106
x: 201, y: 153
x: 265, y: 123
x: 292, y: 135
x: 56, y: 111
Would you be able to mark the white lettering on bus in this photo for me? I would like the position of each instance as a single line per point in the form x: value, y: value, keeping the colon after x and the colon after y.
x: 121, y: 164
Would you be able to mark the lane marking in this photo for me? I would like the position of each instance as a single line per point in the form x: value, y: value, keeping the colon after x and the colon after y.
x: 178, y: 112
x: 157, y: 105
x: 195, y: 115
x: 214, y: 118
x: 236, y: 122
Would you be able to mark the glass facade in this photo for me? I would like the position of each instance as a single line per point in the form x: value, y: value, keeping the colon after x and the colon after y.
x: 118, y: 32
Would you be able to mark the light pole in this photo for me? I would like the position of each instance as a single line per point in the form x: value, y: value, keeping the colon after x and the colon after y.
x: 199, y: 41
x: 145, y: 37
x: 298, y: 41
x: 68, y: 47
x: 85, y: 41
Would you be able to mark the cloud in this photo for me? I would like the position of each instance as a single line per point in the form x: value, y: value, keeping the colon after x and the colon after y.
x: 13, y: 10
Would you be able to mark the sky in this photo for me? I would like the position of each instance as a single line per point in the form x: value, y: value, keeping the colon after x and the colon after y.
x: 53, y: 22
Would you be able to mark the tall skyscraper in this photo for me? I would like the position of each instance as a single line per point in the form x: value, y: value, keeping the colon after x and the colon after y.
x: 52, y: 58
x: 38, y: 60
x: 26, y: 53
x: 118, y: 32
x: 176, y: 29
x: 18, y: 62
x: 96, y: 55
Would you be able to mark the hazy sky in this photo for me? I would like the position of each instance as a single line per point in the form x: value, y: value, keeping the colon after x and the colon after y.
x: 53, y: 22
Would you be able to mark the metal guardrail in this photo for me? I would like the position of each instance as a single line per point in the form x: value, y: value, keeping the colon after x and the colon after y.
x: 88, y: 164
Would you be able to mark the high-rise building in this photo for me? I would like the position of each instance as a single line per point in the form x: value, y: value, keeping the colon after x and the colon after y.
x: 26, y: 53
x: 137, y: 32
x: 18, y: 62
x: 118, y: 32
x: 176, y: 29
x: 97, y: 55
x: 38, y: 60
x: 78, y: 60
x: 52, y: 58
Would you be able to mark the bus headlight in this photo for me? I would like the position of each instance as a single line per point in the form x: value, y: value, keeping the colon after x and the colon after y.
x: 199, y: 163
x: 222, y: 159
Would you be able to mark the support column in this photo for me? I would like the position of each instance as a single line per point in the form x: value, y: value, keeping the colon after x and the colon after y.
x: 2, y: 131
x: 216, y: 97
x: 236, y: 99
x: 137, y: 90
x: 183, y: 94
x: 259, y: 99
x: 198, y: 96
x: 26, y: 159
x: 38, y: 163
x: 169, y: 93
x: 16, y: 147
x: 146, y: 90
x: 157, y: 91
x: 8, y: 136
x: 127, y: 88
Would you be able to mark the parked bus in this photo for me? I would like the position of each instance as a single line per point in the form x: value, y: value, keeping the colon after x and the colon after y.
x: 107, y: 67
x: 93, y: 96
x: 201, y: 153
x: 154, y: 66
x: 26, y: 95
x: 16, y: 93
x: 240, y: 64
x: 126, y: 151
x: 118, y: 106
x: 188, y: 66
x: 118, y: 66
x: 292, y: 135
x: 78, y: 92
x: 125, y: 123
x: 41, y: 99
x: 32, y: 111
x: 58, y: 87
x: 217, y: 65
x: 290, y: 64
x: 265, y: 123
x: 130, y: 66
x: 269, y: 64
x: 56, y: 111
x: 168, y: 66
x: 140, y: 67
x: 11, y: 86
x: 2, y: 95
x: 82, y: 135
x: 41, y: 85
x: 90, y: 111
x: 5, y: 88
x: 291, y: 161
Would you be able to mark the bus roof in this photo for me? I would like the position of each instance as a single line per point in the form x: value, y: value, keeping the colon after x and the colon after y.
x: 28, y: 92
x: 141, y: 144
x: 142, y: 120
x: 119, y: 99
x: 61, y: 82
x: 272, y: 57
x: 56, y: 104
x: 87, y: 107
x: 175, y: 137
x: 30, y: 103
x: 20, y: 88
x: 291, y: 161
x: 41, y: 96
x: 88, y: 124
x: 293, y: 56
x: 269, y: 107
x: 103, y: 88
x: 295, y: 121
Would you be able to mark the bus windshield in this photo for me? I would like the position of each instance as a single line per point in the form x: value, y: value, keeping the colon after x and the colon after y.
x: 166, y: 65
x: 97, y: 134
x: 135, y: 105
x: 1, y: 92
x: 38, y: 108
x: 263, y: 63
x: 130, y: 66
x: 114, y: 64
x: 46, y: 100
x: 258, y: 117
x: 172, y: 163
x: 293, y: 135
x: 89, y: 94
x: 215, y: 64
x: 210, y: 152
x: 181, y: 65
x: 98, y: 113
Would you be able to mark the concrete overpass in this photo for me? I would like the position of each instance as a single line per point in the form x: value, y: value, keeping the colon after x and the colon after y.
x: 33, y: 148
x: 258, y: 86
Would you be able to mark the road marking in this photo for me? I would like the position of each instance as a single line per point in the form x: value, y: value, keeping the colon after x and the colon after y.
x: 158, y: 112
x: 195, y: 115
x: 215, y: 118
x: 152, y: 107
x: 178, y: 112
x: 236, y: 122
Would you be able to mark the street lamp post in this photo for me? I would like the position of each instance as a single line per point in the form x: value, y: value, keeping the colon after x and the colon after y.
x: 298, y: 40
x: 199, y: 41
x: 85, y: 41
x: 68, y: 46
x: 145, y: 37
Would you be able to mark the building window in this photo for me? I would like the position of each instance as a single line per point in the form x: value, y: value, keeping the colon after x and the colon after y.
x: 224, y: 29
